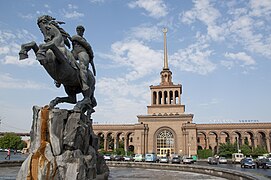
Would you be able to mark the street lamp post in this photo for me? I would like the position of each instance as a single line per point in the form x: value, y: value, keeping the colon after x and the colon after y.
x: 189, y: 149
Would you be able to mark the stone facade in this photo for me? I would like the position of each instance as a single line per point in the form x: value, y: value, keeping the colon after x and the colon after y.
x: 167, y: 129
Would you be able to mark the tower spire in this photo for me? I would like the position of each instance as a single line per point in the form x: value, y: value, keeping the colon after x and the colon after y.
x: 165, y: 49
x: 166, y: 74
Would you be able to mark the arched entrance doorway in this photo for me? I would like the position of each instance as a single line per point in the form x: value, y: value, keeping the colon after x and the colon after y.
x: 165, y: 143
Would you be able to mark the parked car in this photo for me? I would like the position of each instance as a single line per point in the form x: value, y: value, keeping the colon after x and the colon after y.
x: 164, y: 159
x: 138, y: 158
x: 107, y: 157
x: 263, y: 162
x: 247, y: 163
x: 151, y: 157
x: 195, y: 158
x: 237, y: 157
x: 118, y: 158
x: 176, y: 160
x: 128, y: 158
x: 222, y: 160
x: 188, y: 160
x: 212, y: 160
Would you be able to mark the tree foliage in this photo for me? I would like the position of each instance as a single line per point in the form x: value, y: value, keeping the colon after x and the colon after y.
x: 227, y: 149
x: 259, y: 151
x: 11, y: 140
x: 204, y: 153
x: 246, y: 150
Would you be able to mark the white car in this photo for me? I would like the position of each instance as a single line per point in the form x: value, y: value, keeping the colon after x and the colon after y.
x: 164, y: 159
x: 107, y: 157
x: 222, y: 160
x: 188, y: 160
x: 128, y: 158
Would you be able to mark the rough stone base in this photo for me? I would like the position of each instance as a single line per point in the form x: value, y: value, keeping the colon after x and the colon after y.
x: 63, y: 146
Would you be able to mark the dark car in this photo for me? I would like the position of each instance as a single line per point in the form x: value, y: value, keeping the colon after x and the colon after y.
x: 263, y: 163
x: 118, y: 158
x: 212, y: 160
x: 247, y: 163
x: 175, y: 160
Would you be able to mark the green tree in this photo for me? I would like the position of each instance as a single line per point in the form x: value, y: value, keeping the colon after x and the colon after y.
x: 204, y: 153
x: 246, y: 149
x: 258, y: 151
x: 119, y: 151
x: 227, y: 149
x: 11, y: 140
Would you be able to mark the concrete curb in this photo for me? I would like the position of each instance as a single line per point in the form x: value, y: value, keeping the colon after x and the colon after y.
x: 218, y: 172
x: 11, y: 163
x: 213, y: 171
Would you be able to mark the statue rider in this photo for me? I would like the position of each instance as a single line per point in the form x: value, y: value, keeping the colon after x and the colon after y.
x: 82, y: 51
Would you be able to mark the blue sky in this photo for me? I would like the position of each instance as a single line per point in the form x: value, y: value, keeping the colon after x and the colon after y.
x: 220, y: 51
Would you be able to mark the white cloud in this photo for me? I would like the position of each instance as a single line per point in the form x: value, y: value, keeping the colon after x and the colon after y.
x: 204, y: 11
x: 227, y: 64
x: 15, y: 60
x: 118, y: 94
x: 244, y: 30
x: 97, y: 1
x: 137, y: 56
x: 8, y: 82
x: 4, y: 50
x: 72, y: 6
x: 194, y: 58
x: 10, y: 44
x: 72, y: 14
x: 148, y: 33
x: 241, y: 57
x: 260, y: 8
x: 156, y: 8
x: 27, y: 16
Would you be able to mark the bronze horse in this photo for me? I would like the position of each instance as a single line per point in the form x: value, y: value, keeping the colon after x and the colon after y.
x: 60, y: 64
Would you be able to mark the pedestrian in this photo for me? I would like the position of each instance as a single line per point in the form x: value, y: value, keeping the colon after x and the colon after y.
x: 8, y: 154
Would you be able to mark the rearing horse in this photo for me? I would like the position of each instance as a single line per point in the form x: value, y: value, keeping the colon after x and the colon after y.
x: 60, y: 64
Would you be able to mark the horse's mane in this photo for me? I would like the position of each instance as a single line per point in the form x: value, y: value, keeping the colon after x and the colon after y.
x: 52, y: 21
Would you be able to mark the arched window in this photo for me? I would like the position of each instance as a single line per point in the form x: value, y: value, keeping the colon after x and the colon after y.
x: 165, y: 97
x: 160, y: 97
x: 154, y: 97
x: 171, y: 97
x: 165, y: 143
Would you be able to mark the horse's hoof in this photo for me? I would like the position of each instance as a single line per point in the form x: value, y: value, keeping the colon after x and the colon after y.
x: 53, y: 103
x: 23, y: 55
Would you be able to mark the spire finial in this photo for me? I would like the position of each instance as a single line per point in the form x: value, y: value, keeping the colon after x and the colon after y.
x: 165, y: 48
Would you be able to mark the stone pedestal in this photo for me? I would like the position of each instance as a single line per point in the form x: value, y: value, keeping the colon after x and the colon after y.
x: 63, y: 146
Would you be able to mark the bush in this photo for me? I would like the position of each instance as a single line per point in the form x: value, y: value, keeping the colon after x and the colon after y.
x: 11, y: 140
x: 204, y: 153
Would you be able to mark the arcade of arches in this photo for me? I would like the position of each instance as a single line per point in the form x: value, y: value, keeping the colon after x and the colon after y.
x: 167, y: 129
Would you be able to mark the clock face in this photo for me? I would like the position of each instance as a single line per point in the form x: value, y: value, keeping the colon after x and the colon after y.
x: 165, y: 30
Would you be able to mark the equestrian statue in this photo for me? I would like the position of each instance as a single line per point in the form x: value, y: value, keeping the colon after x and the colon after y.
x: 61, y: 64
